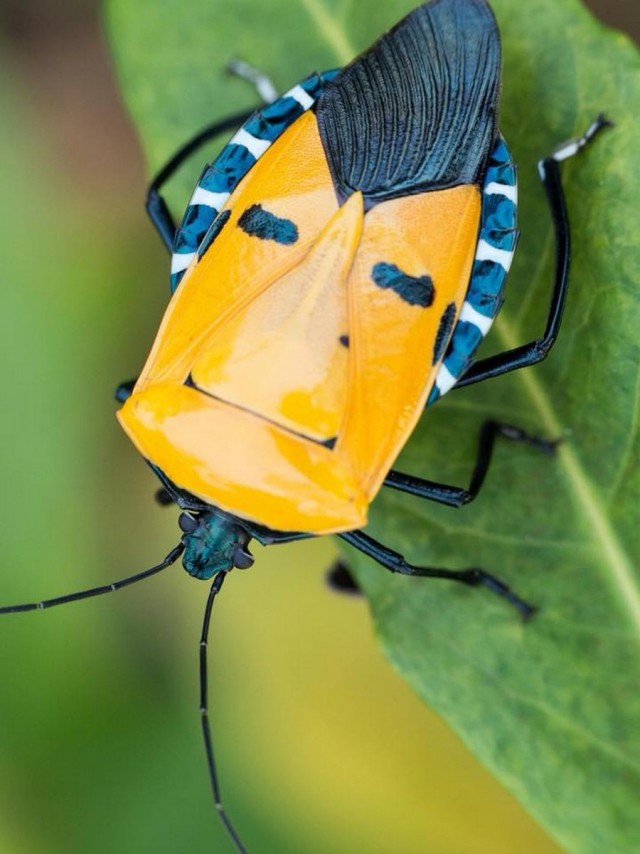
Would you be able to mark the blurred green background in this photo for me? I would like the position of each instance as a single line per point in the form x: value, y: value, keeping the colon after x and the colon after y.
x: 321, y: 746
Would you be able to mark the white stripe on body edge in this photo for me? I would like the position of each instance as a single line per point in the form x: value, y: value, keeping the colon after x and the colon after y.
x: 445, y: 380
x: 206, y: 197
x: 256, y: 146
x: 487, y: 252
x: 470, y: 315
x: 298, y: 94
x: 181, y: 260
x: 508, y: 190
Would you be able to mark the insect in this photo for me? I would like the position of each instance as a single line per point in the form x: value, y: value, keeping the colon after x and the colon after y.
x: 335, y: 271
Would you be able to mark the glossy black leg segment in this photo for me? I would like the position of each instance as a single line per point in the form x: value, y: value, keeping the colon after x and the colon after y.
x: 340, y: 579
x: 163, y: 497
x: 264, y: 86
x: 536, y: 351
x: 456, y: 496
x: 474, y: 577
x: 124, y: 390
x: 204, y: 715
x: 156, y: 206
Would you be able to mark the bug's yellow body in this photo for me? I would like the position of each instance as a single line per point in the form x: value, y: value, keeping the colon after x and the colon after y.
x: 284, y: 379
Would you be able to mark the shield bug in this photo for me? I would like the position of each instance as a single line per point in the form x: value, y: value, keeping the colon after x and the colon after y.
x: 334, y: 273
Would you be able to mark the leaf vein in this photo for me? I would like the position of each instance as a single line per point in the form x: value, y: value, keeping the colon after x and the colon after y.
x: 457, y: 530
x: 333, y: 34
x: 621, y: 570
x: 626, y: 456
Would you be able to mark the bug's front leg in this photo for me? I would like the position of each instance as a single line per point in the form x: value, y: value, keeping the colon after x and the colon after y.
x: 472, y: 577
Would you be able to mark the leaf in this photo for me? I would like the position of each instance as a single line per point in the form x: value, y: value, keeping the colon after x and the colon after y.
x: 552, y: 706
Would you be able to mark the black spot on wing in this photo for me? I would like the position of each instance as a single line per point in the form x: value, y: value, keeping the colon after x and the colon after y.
x: 415, y: 290
x: 444, y: 331
x: 330, y: 443
x: 344, y: 340
x: 214, y: 230
x: 258, y: 222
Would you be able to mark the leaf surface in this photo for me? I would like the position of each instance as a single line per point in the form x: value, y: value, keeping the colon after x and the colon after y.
x: 551, y: 707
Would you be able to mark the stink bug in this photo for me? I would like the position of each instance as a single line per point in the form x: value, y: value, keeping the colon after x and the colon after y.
x: 334, y: 273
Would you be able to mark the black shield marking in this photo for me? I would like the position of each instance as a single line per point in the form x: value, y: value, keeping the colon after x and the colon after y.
x: 415, y: 290
x: 258, y: 222
x: 417, y: 111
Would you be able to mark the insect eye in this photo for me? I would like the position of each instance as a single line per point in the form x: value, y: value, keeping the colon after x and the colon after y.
x: 242, y: 558
x: 187, y: 523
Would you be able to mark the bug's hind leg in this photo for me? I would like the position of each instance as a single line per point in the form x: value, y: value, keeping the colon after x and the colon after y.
x: 264, y: 85
x: 456, y: 496
x: 473, y: 577
x: 156, y: 206
x: 253, y: 137
x: 536, y: 351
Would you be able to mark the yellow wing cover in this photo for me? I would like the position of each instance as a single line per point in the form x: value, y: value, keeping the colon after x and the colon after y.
x: 298, y: 352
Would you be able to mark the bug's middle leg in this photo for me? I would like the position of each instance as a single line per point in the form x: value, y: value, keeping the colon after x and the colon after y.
x: 339, y: 576
x: 456, y: 496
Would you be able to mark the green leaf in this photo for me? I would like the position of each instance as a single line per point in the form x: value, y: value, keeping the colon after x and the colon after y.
x: 552, y: 706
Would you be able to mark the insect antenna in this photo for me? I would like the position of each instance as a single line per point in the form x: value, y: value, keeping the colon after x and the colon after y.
x: 204, y: 713
x: 170, y: 559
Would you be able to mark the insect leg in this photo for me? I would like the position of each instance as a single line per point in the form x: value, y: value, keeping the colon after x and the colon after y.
x: 124, y: 390
x: 163, y: 497
x: 340, y: 579
x: 456, y: 496
x: 536, y: 351
x: 264, y: 85
x: 473, y: 577
x: 170, y: 559
x: 156, y: 206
